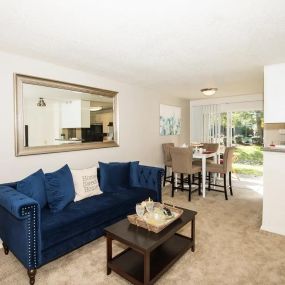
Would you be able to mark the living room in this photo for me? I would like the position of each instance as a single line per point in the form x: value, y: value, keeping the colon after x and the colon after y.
x: 136, y: 58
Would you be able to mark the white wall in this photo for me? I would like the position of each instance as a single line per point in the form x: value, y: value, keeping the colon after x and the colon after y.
x: 274, y: 193
x: 138, y: 120
x: 274, y: 171
x: 196, y: 126
x: 274, y: 99
x: 41, y: 132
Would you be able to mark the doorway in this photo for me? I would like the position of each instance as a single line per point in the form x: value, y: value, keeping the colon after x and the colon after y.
x: 244, y: 130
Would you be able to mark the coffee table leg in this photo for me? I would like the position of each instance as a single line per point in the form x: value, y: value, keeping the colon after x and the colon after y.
x: 193, y: 234
x: 109, y: 253
x: 146, y: 267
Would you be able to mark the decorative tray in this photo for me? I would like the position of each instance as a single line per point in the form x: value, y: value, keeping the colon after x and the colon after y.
x: 156, y: 224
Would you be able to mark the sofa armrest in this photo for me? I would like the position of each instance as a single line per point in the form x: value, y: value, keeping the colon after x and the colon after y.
x: 15, y: 202
x: 20, y: 226
x: 150, y: 177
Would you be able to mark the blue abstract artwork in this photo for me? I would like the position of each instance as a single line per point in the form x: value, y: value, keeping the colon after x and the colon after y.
x: 170, y: 120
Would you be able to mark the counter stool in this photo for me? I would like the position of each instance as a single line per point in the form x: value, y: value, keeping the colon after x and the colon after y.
x: 167, y: 161
x: 182, y: 164
x: 225, y: 168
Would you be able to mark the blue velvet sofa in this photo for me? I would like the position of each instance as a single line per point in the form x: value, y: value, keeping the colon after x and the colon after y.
x: 37, y: 236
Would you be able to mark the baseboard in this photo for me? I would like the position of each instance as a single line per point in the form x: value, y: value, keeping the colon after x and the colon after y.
x: 273, y: 230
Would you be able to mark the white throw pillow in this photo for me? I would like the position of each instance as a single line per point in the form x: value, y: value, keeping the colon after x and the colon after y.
x: 85, y: 183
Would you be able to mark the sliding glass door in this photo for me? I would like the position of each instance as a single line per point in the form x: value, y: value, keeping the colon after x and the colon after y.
x: 244, y: 130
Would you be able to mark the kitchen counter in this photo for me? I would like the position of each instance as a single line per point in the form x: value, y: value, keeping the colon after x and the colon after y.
x: 68, y: 141
x: 274, y: 149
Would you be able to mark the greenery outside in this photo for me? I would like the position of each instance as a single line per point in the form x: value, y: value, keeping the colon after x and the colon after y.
x: 248, y: 160
x: 247, y: 136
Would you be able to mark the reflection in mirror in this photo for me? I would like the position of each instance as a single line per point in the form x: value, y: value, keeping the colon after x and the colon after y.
x: 55, y: 116
x: 63, y: 119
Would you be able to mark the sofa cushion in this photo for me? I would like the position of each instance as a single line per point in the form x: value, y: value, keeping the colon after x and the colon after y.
x: 82, y: 216
x: 114, y: 175
x: 33, y: 186
x: 85, y: 183
x: 59, y: 188
x: 134, y: 174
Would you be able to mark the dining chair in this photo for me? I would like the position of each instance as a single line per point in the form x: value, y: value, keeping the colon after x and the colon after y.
x: 182, y: 164
x: 167, y: 161
x: 225, y: 169
x: 212, y: 147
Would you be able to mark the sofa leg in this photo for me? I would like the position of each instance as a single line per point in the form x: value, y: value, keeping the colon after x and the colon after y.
x: 32, y: 275
x: 6, y: 249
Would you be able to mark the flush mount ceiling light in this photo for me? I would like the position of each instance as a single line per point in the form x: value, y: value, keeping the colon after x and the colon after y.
x: 209, y: 91
x: 41, y: 102
x: 94, y: 109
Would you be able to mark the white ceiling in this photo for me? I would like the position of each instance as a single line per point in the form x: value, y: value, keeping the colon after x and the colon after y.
x: 174, y: 47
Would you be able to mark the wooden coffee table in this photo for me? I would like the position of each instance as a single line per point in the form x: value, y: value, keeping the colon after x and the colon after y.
x: 148, y: 254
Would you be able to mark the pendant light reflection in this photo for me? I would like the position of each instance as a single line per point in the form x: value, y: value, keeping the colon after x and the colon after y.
x: 41, y: 102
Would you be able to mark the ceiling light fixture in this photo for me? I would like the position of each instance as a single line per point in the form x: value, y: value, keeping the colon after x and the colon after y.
x: 94, y: 109
x: 209, y: 91
x: 41, y: 102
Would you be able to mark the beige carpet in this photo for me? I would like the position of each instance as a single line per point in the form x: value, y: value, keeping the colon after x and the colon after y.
x: 230, y: 249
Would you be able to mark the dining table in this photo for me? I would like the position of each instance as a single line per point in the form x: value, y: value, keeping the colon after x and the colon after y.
x: 203, y: 156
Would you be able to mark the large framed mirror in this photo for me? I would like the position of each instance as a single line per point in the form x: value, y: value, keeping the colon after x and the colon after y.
x: 53, y: 116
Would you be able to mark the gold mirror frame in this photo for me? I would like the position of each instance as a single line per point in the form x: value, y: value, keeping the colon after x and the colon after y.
x: 21, y: 150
